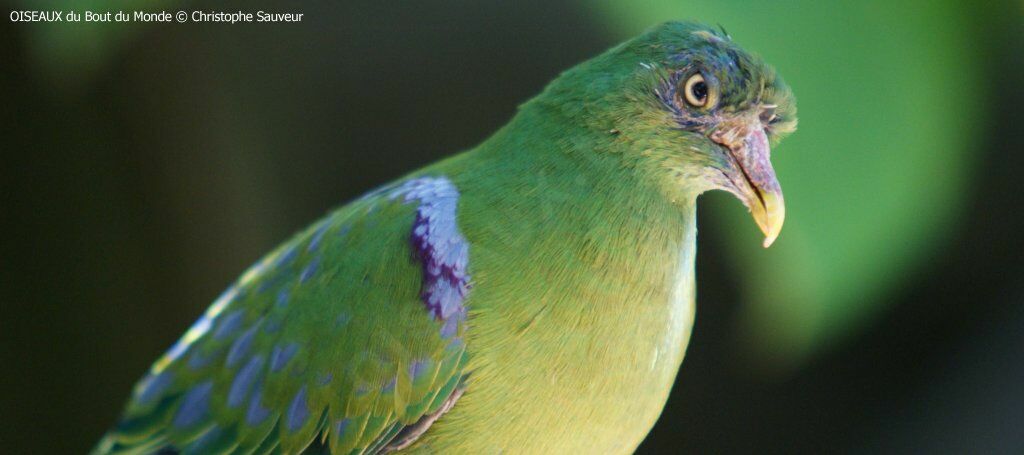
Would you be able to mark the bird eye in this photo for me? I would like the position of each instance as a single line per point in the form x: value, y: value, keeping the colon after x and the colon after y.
x: 768, y: 115
x: 696, y: 91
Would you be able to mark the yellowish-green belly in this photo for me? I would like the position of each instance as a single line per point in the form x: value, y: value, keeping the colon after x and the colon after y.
x: 572, y: 361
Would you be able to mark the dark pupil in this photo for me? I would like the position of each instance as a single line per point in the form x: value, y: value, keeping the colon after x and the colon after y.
x: 699, y: 91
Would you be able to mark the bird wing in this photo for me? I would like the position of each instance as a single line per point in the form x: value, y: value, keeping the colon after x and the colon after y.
x: 348, y: 336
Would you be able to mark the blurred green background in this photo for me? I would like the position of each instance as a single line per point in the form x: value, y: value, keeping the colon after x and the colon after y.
x: 145, y: 165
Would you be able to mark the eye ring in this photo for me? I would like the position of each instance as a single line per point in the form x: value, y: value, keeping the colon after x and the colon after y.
x: 696, y: 91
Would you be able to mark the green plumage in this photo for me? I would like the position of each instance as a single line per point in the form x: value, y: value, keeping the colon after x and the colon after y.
x: 575, y: 225
x: 359, y: 292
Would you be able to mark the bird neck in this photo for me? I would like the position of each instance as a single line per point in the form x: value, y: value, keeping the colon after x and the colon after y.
x: 582, y: 175
x: 543, y: 190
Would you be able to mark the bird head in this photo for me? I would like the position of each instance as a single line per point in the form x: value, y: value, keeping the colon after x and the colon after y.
x: 688, y: 106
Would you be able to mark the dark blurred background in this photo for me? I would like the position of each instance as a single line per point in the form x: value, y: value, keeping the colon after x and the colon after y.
x: 146, y: 165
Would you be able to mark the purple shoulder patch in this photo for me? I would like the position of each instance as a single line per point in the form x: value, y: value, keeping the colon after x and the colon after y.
x: 440, y: 246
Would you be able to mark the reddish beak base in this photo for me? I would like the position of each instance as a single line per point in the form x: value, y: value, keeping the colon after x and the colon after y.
x: 761, y: 193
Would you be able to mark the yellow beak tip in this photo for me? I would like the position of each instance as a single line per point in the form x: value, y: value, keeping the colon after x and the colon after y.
x: 770, y: 217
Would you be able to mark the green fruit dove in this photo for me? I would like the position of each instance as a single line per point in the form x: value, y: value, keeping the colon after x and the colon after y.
x: 532, y: 295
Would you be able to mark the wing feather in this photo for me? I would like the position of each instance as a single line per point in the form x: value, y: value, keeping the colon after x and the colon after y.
x: 332, y: 339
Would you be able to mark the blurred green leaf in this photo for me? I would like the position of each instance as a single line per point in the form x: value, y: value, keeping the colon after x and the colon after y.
x: 888, y: 95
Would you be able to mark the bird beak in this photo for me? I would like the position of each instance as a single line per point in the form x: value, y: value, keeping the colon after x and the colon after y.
x: 757, y: 185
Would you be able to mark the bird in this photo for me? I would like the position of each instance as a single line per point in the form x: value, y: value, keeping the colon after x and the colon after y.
x: 533, y: 294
